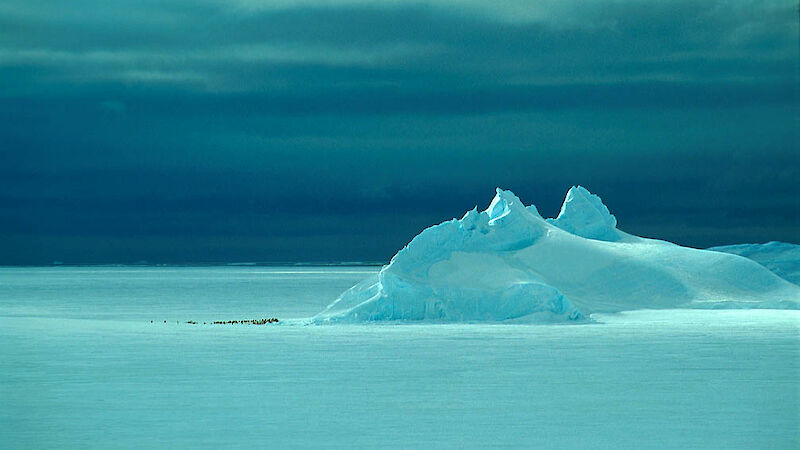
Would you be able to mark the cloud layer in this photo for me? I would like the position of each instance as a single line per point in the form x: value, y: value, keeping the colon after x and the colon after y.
x: 127, y: 122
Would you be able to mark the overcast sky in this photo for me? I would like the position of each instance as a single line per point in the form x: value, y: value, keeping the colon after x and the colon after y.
x: 175, y: 131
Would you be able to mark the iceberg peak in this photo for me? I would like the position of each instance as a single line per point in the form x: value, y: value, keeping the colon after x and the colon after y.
x: 504, y: 203
x: 585, y: 215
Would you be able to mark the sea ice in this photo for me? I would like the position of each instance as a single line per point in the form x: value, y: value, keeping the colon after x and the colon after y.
x: 508, y: 264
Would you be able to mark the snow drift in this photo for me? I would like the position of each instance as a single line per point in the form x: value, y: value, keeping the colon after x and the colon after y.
x: 509, y: 264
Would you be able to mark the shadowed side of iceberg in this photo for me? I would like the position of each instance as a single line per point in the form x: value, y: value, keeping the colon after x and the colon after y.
x: 393, y: 299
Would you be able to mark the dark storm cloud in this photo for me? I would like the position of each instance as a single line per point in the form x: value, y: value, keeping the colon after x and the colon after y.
x: 218, y: 47
x: 172, y: 124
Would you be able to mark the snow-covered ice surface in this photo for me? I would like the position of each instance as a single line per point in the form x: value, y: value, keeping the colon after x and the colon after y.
x: 509, y: 264
x: 781, y: 258
x: 171, y: 293
x: 83, y: 367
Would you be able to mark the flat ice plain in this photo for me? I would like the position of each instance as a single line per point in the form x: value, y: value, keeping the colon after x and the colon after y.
x: 83, y: 367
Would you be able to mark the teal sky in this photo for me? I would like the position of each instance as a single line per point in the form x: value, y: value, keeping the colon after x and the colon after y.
x: 211, y: 131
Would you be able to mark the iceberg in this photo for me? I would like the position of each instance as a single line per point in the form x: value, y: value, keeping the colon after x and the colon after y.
x: 782, y: 258
x: 509, y: 264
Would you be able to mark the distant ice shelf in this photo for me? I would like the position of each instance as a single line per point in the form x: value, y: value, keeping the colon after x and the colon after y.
x: 509, y: 264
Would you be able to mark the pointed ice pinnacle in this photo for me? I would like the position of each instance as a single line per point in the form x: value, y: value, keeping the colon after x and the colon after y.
x: 504, y: 202
x: 585, y: 215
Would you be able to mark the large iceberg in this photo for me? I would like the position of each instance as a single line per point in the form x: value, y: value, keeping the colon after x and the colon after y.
x: 508, y: 264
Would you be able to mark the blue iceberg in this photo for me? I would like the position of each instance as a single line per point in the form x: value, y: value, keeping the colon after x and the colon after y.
x: 509, y: 264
